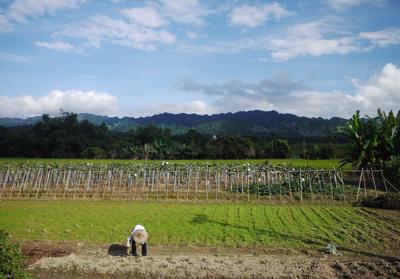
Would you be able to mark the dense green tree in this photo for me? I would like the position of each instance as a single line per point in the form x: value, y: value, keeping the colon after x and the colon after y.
x: 373, y: 140
x: 281, y: 149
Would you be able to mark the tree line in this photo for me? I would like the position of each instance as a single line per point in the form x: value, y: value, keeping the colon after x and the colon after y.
x: 66, y: 137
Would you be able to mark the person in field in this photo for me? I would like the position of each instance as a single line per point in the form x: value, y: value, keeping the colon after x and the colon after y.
x: 138, y: 236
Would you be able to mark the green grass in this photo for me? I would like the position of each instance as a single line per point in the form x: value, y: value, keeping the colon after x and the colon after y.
x: 229, y: 225
x: 319, y: 164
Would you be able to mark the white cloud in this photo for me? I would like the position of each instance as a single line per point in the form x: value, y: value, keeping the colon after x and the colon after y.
x: 309, y: 39
x: 70, y: 100
x: 184, y: 11
x: 60, y: 46
x: 285, y: 95
x: 119, y: 32
x: 5, y: 25
x: 254, y: 16
x: 147, y: 16
x: 194, y: 106
x: 344, y: 4
x: 21, y: 10
x: 382, y: 38
x: 382, y: 90
x: 220, y: 47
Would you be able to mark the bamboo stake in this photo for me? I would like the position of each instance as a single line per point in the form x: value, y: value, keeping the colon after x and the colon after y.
x: 365, y: 186
x: 189, y: 172
x: 373, y: 181
x: 359, y: 184
x: 301, y: 186
x: 290, y: 187
x: 330, y: 183
x: 384, y: 182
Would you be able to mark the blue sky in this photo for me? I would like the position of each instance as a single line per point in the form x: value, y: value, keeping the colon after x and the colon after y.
x: 136, y: 58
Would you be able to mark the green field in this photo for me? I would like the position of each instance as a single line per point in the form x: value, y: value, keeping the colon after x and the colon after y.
x: 318, y: 164
x: 228, y: 225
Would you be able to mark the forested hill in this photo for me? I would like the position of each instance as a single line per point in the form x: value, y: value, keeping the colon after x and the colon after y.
x: 249, y: 123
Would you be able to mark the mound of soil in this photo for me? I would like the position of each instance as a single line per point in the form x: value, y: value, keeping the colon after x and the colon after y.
x: 362, y: 269
x: 36, y: 250
x: 107, y: 263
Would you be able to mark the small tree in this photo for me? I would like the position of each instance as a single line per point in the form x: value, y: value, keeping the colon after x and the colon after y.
x: 11, y: 260
x: 281, y: 149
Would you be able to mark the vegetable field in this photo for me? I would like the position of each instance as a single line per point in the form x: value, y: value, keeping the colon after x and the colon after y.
x: 145, y: 182
x: 317, y: 164
x: 187, y: 182
x: 231, y: 225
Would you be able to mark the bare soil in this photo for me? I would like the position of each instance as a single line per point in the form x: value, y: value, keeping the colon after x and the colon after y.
x: 63, y: 260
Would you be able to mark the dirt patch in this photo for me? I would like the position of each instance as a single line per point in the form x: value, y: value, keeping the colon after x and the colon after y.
x: 34, y: 251
x: 362, y: 269
x: 198, y: 262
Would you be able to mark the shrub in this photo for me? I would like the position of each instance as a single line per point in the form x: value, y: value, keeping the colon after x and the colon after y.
x: 392, y: 170
x: 11, y: 259
x: 391, y: 201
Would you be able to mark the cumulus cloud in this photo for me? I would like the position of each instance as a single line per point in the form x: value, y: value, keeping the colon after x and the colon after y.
x: 120, y: 32
x: 147, y: 16
x: 21, y: 10
x: 285, y: 95
x: 309, y: 39
x: 70, y: 100
x: 254, y: 16
x: 344, y: 4
x: 237, y: 95
x: 184, y: 11
x: 60, y: 46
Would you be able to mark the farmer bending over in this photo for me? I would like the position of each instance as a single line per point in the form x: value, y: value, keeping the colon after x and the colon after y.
x: 138, y: 236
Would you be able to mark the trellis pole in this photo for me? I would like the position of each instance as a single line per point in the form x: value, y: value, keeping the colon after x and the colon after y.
x: 26, y: 175
x: 196, y: 182
x: 290, y: 186
x: 309, y: 181
x: 359, y: 184
x: 14, y: 183
x: 178, y: 184
x: 66, y: 183
x: 373, y: 181
x: 384, y: 182
x: 301, y: 186
x: 365, y: 186
x: 189, y: 173
x: 331, y: 184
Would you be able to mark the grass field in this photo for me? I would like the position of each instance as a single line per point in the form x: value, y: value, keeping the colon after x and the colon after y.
x: 230, y: 225
x: 318, y: 164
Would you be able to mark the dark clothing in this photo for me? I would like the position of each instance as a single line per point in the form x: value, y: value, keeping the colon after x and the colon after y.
x: 144, y: 248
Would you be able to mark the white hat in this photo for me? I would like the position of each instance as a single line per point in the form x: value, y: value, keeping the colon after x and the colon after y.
x: 140, y: 236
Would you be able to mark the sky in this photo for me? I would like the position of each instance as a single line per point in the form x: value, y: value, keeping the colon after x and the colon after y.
x: 320, y: 58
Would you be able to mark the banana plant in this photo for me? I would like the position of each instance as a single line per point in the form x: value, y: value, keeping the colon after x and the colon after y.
x: 363, y: 133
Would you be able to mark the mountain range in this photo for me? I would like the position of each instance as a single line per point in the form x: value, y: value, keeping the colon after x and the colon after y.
x: 252, y: 123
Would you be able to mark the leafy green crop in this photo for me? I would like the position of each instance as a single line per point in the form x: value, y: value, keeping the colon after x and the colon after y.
x: 202, y: 224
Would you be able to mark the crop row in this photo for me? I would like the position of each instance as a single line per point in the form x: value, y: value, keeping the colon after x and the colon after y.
x: 205, y: 225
